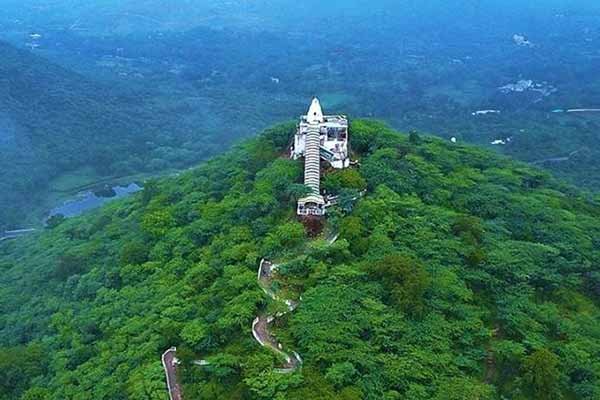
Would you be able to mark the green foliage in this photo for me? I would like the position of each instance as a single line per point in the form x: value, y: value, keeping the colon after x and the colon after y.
x: 348, y: 178
x: 36, y: 393
x: 347, y: 198
x: 68, y: 265
x: 341, y: 374
x: 465, y: 389
x: 194, y: 333
x: 404, y: 280
x: 157, y: 223
x: 297, y: 191
x: 134, y: 253
x: 469, y: 228
x: 458, y: 275
x: 145, y: 382
x: 541, y: 375
x: 287, y: 236
x: 19, y: 366
x: 55, y: 221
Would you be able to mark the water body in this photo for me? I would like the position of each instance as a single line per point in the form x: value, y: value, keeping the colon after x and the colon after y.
x: 89, y: 200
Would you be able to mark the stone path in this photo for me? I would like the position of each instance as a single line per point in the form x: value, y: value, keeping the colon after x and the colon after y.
x: 260, y: 325
x: 260, y: 330
x: 169, y: 362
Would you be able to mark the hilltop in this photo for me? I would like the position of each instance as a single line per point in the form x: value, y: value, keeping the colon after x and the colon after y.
x: 459, y: 274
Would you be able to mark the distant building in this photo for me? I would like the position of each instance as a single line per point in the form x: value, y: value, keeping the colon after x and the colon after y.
x: 319, y: 137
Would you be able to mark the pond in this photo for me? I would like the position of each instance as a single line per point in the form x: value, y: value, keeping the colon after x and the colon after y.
x: 89, y: 200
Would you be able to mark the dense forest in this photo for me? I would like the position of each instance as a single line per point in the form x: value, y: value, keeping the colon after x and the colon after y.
x: 459, y: 274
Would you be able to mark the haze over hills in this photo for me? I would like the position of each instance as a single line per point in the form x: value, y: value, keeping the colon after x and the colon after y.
x: 130, y: 16
x: 60, y: 125
x: 458, y: 274
x: 57, y: 121
x: 225, y: 70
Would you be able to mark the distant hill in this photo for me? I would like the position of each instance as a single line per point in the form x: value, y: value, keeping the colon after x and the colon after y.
x: 459, y: 274
x: 54, y: 122
x: 238, y: 81
x: 134, y: 16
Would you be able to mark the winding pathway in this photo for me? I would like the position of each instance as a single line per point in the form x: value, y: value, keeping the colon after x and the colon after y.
x: 260, y: 325
x: 169, y: 362
x: 260, y: 330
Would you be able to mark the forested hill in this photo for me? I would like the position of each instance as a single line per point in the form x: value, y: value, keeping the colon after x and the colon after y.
x: 458, y: 275
x: 55, y: 123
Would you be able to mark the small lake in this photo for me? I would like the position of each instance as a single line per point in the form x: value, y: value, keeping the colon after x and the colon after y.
x: 89, y: 200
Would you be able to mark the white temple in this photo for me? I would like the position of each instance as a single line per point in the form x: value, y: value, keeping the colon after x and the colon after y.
x: 319, y: 137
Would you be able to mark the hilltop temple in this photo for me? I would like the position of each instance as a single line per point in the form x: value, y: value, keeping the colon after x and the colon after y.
x: 319, y: 137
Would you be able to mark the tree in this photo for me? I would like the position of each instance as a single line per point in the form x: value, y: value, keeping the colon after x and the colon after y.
x: 469, y: 228
x: 341, y: 374
x: 297, y: 191
x: 147, y: 383
x: 18, y: 366
x: 286, y: 236
x: 158, y: 222
x: 353, y: 230
x: 350, y: 393
x: 55, y: 221
x: 414, y: 137
x: 404, y: 279
x: 348, y: 178
x: 541, y: 376
x: 465, y: 389
x: 194, y: 334
x: 36, y: 393
x: 134, y: 253
x: 151, y: 189
x: 68, y: 265
x: 347, y: 198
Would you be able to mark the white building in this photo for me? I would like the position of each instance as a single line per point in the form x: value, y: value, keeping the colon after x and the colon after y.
x: 319, y: 137
x: 333, y: 136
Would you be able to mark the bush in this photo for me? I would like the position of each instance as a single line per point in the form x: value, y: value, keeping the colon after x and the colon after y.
x: 134, y: 253
x: 405, y: 280
x: 67, y: 266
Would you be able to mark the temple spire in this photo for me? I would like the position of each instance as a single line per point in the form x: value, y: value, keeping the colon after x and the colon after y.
x: 315, y: 112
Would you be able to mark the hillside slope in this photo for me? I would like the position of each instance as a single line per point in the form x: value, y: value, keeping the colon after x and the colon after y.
x: 56, y: 123
x: 459, y: 274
